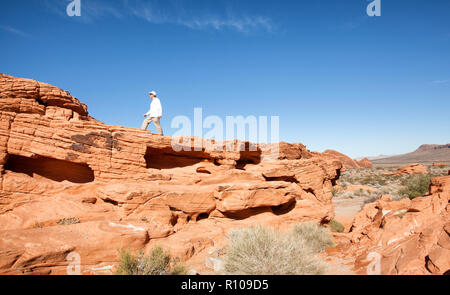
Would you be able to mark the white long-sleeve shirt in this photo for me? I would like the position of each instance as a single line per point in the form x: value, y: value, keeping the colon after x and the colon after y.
x: 155, y: 109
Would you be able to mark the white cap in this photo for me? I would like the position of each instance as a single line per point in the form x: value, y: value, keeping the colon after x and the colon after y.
x: 152, y: 92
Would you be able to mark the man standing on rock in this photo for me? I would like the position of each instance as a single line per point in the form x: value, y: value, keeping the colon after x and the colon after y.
x: 154, y: 114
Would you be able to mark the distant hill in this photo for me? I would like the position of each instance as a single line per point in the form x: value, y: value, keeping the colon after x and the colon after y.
x: 348, y: 163
x: 374, y: 158
x: 425, y: 154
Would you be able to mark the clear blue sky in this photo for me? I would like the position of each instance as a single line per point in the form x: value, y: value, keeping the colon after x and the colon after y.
x: 337, y: 78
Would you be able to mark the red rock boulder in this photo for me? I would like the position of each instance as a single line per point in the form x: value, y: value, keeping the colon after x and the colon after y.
x: 410, y: 169
x: 365, y: 163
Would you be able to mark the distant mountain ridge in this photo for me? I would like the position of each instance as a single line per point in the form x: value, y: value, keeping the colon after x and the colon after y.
x: 425, y: 154
x: 430, y: 147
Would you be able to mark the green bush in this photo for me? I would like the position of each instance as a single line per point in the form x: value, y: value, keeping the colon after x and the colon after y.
x: 336, y: 226
x: 262, y: 251
x: 415, y: 186
x: 157, y: 263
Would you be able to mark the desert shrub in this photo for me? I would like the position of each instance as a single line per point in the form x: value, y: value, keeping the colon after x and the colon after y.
x: 336, y: 226
x: 37, y: 225
x: 366, y: 180
x: 385, y: 191
x: 260, y: 250
x: 179, y: 270
x: 359, y: 192
x: 317, y: 237
x: 381, y: 180
x: 128, y: 263
x: 157, y: 263
x: 415, y: 186
x: 346, y: 194
x: 68, y: 221
x: 334, y: 192
x: 371, y: 200
x: 438, y: 171
x: 372, y: 180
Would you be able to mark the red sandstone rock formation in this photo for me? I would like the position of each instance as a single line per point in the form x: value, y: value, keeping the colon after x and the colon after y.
x: 124, y: 187
x: 440, y: 164
x: 406, y: 236
x: 365, y: 163
x: 410, y: 169
x: 347, y: 162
